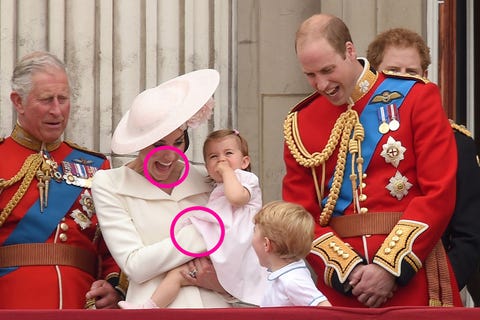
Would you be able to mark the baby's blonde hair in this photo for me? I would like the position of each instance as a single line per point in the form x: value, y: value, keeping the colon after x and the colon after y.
x: 288, y: 226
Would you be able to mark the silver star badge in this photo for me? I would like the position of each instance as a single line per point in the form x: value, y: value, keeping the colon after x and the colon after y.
x: 399, y: 186
x: 393, y: 152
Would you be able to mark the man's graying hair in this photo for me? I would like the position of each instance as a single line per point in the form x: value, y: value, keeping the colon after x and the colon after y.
x: 37, y: 61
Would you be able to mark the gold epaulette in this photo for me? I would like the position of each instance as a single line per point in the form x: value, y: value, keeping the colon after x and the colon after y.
x: 460, y: 128
x: 78, y: 147
x: 2, y: 139
x: 392, y: 74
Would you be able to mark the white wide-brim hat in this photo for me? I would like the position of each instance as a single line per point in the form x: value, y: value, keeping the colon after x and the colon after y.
x: 157, y: 112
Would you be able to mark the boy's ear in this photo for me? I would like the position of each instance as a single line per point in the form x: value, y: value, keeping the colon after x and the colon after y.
x: 268, y: 246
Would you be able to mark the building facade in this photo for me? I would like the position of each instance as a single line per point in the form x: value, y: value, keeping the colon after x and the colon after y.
x: 114, y: 49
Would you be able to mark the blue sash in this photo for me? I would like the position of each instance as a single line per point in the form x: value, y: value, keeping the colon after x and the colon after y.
x: 36, y: 227
x: 369, y: 120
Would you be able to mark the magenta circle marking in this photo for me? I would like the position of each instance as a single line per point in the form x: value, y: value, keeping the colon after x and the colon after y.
x: 166, y: 185
x: 201, y: 254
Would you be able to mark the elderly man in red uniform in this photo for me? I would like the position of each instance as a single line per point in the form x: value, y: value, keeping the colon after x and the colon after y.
x: 372, y: 157
x: 52, y: 255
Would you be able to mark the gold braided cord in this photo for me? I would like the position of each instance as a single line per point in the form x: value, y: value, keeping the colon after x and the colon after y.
x: 27, y: 172
x: 360, y: 137
x: 300, y: 153
x: 338, y: 174
x: 460, y: 128
x: 355, y: 148
x: 323, y: 180
x: 21, y: 173
x: 319, y: 190
x: 341, y: 132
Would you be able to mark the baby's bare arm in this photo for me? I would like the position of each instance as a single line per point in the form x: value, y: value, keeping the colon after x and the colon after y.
x: 235, y: 192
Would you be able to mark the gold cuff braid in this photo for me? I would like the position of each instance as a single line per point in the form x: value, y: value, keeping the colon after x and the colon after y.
x: 336, y: 254
x: 398, y: 246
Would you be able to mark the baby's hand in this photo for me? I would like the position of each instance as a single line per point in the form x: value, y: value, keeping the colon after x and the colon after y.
x: 222, y: 167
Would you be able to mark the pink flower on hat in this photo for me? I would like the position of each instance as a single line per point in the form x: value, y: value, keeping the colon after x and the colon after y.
x: 203, y: 115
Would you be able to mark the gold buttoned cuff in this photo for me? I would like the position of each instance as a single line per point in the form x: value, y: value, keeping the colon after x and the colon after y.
x: 336, y: 254
x: 398, y: 247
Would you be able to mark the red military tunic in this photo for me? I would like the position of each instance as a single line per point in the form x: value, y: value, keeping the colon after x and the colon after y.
x: 49, y: 286
x: 425, y: 171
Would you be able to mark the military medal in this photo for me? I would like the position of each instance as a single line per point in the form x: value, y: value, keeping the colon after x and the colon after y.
x: 78, y: 173
x: 383, y: 127
x: 394, y: 123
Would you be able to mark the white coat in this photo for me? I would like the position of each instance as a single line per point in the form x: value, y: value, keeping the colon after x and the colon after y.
x: 135, y: 218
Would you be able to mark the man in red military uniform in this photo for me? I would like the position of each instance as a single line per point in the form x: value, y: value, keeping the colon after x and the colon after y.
x: 371, y: 156
x: 52, y: 254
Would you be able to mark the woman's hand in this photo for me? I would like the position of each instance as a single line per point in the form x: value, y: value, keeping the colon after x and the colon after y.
x: 202, y: 274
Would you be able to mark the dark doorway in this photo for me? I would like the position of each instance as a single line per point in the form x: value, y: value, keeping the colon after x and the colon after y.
x: 461, y: 63
x: 476, y: 66
x: 453, y: 63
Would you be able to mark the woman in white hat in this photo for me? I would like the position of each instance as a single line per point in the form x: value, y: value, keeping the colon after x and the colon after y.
x: 136, y: 208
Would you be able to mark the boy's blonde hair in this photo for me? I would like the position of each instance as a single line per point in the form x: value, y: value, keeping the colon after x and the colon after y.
x: 288, y: 226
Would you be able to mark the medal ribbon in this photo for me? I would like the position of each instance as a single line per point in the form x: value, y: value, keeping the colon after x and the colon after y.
x: 36, y: 227
x: 369, y: 120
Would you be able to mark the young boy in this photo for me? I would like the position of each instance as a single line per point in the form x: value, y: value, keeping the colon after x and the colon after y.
x: 282, y: 239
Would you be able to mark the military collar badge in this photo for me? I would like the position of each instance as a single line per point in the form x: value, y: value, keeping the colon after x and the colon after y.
x: 365, y: 82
